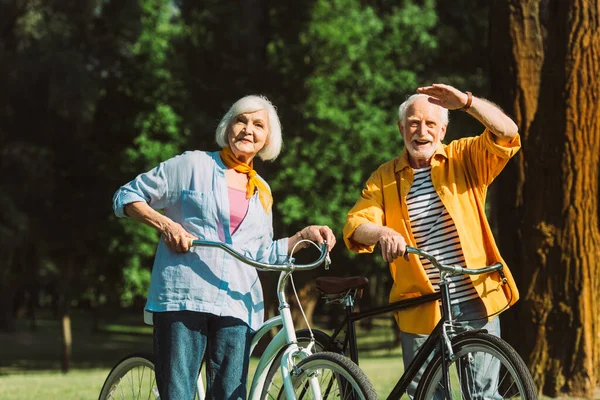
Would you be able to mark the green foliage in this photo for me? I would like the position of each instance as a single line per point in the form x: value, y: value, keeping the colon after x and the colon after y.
x: 159, y: 137
x: 361, y: 62
x: 95, y: 92
x: 94, y: 107
x: 159, y: 133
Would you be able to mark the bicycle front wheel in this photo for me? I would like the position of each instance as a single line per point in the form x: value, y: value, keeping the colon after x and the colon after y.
x: 485, y: 367
x: 334, y: 376
x: 132, y: 378
x: 273, y: 388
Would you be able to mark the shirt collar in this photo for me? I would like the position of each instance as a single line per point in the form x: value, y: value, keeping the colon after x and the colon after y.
x: 217, y: 157
x: 402, y: 161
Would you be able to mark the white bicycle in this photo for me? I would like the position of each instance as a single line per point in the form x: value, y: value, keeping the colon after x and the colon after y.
x: 299, y: 375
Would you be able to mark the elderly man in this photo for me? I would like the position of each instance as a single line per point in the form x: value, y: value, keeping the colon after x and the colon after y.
x: 433, y: 197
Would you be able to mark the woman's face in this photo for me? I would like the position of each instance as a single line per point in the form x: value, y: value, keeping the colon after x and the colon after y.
x: 247, y: 134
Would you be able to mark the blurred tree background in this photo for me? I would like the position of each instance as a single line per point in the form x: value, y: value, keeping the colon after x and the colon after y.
x: 93, y: 92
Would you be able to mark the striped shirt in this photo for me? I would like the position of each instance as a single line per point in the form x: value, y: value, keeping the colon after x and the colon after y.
x: 434, y: 232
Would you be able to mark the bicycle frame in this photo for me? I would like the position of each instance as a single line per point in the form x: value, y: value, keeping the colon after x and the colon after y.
x: 350, y: 341
x: 285, y: 338
x: 437, y: 340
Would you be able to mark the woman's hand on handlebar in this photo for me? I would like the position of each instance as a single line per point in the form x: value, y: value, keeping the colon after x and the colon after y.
x: 316, y: 233
x: 176, y: 238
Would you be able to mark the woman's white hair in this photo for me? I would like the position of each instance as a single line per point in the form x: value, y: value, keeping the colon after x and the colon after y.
x: 249, y: 104
x: 404, y: 106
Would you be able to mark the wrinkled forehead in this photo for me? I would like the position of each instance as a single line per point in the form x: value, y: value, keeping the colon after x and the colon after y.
x: 421, y: 108
x: 256, y: 115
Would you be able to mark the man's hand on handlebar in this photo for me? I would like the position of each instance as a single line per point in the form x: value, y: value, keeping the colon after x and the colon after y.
x: 392, y: 245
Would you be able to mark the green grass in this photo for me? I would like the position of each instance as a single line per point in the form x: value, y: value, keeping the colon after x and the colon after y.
x: 86, y: 383
x: 77, y: 384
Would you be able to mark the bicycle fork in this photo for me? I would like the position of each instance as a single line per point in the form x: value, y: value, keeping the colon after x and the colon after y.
x: 293, y: 352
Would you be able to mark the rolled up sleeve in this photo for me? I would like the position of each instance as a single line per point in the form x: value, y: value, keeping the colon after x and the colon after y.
x: 484, y: 157
x: 368, y: 208
x: 502, y: 151
x: 149, y: 187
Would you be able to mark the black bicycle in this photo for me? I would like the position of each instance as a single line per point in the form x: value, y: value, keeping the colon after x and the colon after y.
x: 458, y: 360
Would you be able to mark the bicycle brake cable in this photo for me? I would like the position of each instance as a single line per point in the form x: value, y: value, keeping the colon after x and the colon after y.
x: 491, y: 315
x: 312, y: 337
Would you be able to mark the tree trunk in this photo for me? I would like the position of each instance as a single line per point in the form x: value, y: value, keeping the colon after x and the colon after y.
x: 546, y: 74
x: 64, y: 307
x: 67, y: 342
x: 308, y: 296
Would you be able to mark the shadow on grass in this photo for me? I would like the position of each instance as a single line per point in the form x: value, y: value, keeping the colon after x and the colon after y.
x: 118, y: 333
x: 115, y: 336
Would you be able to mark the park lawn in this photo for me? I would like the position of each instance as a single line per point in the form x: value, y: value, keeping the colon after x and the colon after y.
x: 76, y: 385
x: 30, y: 366
x: 86, y: 383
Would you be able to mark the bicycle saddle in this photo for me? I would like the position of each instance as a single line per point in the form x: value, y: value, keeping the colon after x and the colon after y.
x: 334, y: 285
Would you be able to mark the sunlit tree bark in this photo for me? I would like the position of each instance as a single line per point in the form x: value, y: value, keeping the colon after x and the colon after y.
x: 546, y: 74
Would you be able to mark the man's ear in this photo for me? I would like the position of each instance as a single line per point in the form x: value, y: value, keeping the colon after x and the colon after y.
x: 400, y: 127
x: 443, y: 132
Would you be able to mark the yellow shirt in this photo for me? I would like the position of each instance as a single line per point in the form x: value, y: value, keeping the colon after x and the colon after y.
x: 461, y: 173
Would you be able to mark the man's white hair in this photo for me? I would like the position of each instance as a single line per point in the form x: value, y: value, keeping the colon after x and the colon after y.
x: 250, y: 104
x: 404, y: 106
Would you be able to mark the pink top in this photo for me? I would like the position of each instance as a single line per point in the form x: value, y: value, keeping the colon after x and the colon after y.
x: 238, y: 207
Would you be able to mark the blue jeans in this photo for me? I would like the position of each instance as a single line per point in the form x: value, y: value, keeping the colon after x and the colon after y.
x: 466, y: 311
x: 180, y: 341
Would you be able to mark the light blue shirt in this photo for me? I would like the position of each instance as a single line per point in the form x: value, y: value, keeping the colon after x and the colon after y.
x: 191, y: 189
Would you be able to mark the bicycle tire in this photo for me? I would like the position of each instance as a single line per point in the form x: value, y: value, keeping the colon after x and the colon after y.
x: 338, y: 378
x: 131, y: 378
x: 478, y: 351
x: 273, y: 387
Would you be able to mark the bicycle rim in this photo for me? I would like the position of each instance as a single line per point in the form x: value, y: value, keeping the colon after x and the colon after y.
x: 131, y: 378
x: 273, y: 388
x: 331, y: 376
x: 485, y: 367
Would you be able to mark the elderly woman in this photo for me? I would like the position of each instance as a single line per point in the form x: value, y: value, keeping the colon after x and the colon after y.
x: 203, y: 299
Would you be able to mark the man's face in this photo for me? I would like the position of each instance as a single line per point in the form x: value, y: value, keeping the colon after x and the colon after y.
x: 422, y: 131
x: 248, y: 133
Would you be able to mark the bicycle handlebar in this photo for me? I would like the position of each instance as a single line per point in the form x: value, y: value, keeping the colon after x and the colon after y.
x: 287, y: 266
x: 455, y: 269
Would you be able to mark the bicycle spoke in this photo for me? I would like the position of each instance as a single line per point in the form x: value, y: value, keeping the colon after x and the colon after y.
x: 338, y: 378
x: 485, y: 368
x: 133, y: 379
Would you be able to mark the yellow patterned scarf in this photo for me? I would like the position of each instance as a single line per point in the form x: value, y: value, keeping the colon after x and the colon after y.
x: 253, y: 181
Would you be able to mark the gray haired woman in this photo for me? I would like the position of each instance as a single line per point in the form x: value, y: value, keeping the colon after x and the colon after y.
x: 202, y: 299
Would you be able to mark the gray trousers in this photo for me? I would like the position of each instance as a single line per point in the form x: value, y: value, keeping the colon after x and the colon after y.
x: 468, y: 310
